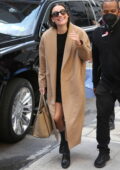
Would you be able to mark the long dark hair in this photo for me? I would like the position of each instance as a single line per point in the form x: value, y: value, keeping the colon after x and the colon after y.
x: 50, y: 15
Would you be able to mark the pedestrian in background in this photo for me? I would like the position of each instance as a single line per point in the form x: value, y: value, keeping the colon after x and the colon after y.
x: 106, y: 56
x: 112, y: 116
x: 64, y: 48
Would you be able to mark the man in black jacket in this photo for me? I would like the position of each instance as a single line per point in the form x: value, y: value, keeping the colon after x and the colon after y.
x: 106, y: 75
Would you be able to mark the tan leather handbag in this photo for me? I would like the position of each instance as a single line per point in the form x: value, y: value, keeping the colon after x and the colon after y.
x: 44, y: 125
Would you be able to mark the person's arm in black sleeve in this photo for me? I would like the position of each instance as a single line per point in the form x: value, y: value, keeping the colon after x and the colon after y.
x: 96, y: 70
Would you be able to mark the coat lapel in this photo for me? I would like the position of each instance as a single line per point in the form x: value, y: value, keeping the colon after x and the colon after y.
x: 53, y: 47
x: 68, y: 46
x: 52, y: 55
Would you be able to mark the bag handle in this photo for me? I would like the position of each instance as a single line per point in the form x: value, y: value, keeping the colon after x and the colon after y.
x: 44, y: 101
x: 40, y: 103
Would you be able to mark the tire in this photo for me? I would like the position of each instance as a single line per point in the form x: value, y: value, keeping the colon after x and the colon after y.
x: 16, y: 110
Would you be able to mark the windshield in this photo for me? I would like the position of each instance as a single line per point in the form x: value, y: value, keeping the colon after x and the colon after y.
x: 18, y: 19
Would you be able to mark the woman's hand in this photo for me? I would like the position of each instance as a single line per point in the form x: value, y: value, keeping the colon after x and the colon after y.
x: 42, y: 91
x: 75, y: 37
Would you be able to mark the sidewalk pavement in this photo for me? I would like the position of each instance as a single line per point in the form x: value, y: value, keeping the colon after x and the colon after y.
x: 83, y: 156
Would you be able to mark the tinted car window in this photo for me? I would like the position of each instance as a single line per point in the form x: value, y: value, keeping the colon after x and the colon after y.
x: 89, y: 10
x: 17, y: 22
x: 78, y: 13
x: 97, y: 10
x: 7, y: 14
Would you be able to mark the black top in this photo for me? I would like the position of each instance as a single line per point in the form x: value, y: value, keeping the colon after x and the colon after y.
x: 61, y: 39
x: 106, y: 56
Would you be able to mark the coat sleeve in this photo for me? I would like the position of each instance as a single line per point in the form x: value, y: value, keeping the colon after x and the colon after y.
x: 96, y: 68
x: 42, y: 65
x: 85, y: 51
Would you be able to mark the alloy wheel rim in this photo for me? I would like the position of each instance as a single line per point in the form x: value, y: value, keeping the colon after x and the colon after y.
x: 22, y: 111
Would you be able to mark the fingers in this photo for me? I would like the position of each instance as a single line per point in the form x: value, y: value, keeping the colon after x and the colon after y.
x: 74, y: 36
x: 73, y: 33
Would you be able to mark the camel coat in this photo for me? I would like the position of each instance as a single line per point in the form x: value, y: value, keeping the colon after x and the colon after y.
x: 72, y: 78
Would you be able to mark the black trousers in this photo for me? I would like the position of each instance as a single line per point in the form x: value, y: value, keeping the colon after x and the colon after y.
x: 105, y: 101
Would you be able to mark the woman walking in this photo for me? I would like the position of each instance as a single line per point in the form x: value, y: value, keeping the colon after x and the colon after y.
x: 64, y: 48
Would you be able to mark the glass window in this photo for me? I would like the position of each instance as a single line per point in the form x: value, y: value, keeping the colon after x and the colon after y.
x: 78, y: 13
x: 97, y: 9
x: 89, y: 10
x: 16, y: 22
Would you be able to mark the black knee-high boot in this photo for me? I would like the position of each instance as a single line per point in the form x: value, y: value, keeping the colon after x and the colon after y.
x: 64, y: 149
x: 63, y: 144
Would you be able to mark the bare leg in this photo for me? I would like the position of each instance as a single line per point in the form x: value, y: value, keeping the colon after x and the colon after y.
x: 64, y: 149
x: 58, y: 117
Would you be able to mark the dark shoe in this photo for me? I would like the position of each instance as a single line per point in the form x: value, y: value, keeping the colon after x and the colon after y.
x: 65, y: 163
x: 101, y: 160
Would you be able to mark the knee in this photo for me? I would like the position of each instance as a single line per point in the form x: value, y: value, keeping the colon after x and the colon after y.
x: 57, y: 118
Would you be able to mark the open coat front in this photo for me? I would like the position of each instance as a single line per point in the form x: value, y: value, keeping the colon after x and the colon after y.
x: 72, y: 78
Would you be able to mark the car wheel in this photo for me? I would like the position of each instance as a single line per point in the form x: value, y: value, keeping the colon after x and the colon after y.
x: 16, y: 110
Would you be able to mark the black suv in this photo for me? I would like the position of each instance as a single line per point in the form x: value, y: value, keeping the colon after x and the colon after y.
x: 22, y: 23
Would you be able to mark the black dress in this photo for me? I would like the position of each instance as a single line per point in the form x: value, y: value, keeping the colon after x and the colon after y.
x: 61, y: 39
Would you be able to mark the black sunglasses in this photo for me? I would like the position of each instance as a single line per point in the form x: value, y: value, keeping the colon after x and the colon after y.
x: 56, y: 14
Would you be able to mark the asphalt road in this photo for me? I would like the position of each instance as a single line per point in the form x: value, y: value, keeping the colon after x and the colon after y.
x: 18, y: 155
